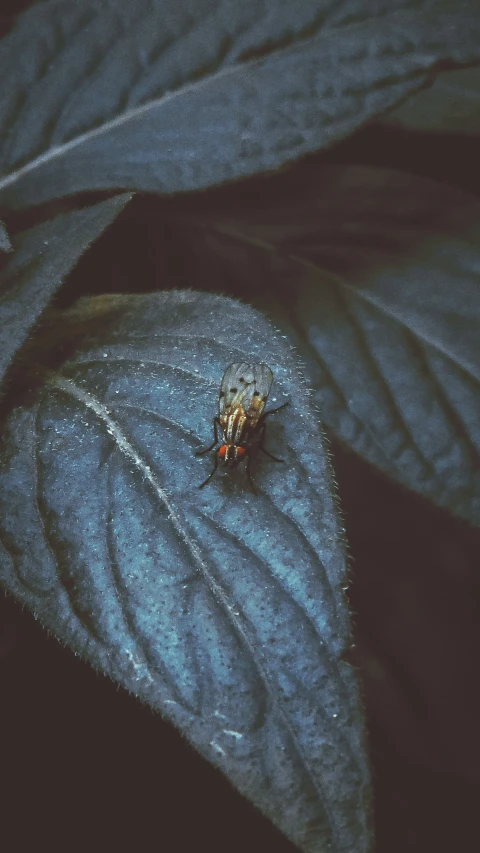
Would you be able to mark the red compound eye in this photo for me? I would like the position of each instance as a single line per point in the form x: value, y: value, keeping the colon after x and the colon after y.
x: 222, y: 451
x: 240, y: 452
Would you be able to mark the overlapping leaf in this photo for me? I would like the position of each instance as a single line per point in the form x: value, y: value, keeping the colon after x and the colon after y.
x: 450, y: 104
x: 374, y: 275
x: 43, y: 256
x: 169, y: 96
x: 222, y: 609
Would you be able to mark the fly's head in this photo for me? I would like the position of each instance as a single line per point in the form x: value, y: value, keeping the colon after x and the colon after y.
x: 231, y: 454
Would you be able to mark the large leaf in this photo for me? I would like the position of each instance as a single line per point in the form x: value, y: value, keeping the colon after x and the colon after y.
x: 222, y: 609
x: 166, y: 96
x: 374, y: 275
x: 43, y: 256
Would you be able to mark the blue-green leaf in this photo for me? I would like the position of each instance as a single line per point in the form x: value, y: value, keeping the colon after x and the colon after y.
x: 222, y: 609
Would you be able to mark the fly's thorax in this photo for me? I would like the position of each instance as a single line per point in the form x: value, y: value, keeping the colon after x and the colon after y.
x: 236, y: 426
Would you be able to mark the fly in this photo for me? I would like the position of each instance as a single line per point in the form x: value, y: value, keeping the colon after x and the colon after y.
x: 241, y: 416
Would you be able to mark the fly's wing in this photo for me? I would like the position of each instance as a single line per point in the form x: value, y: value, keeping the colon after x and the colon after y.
x: 245, y: 385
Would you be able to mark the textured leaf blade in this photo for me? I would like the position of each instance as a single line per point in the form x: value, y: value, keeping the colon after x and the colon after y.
x: 222, y: 609
x: 373, y: 274
x: 162, y: 97
x: 43, y: 256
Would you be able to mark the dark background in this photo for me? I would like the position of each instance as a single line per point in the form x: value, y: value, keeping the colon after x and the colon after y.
x: 85, y: 764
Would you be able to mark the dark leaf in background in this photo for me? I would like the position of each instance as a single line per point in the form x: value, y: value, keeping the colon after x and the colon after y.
x: 222, y: 609
x: 451, y: 104
x: 415, y: 595
x: 5, y: 245
x: 169, y: 96
x: 374, y: 275
x: 43, y: 256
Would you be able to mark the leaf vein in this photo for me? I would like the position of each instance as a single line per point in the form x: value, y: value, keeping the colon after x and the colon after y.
x: 331, y: 658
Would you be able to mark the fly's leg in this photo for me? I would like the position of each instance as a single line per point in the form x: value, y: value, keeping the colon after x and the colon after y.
x: 247, y: 469
x: 216, y: 423
x: 215, y: 441
x: 262, y: 437
x: 274, y: 411
x: 211, y: 473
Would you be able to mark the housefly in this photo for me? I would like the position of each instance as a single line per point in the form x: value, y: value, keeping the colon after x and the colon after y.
x: 241, y: 416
